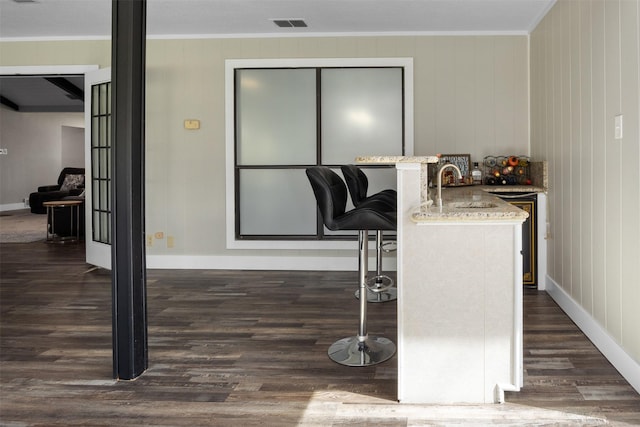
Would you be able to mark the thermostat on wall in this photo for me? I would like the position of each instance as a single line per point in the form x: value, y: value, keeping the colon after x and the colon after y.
x: 192, y: 124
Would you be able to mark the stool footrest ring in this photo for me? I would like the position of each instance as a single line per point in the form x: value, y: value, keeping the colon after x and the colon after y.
x: 389, y: 246
x: 390, y: 294
x: 379, y: 283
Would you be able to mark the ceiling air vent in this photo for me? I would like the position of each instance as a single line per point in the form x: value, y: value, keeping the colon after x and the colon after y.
x: 289, y: 23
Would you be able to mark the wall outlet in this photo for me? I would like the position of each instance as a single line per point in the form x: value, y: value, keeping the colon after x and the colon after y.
x: 26, y: 202
x: 618, y: 126
x: 192, y: 124
x: 149, y: 240
x: 170, y: 242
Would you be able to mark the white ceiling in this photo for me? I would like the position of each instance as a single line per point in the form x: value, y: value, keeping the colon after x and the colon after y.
x: 24, y: 19
x: 72, y: 19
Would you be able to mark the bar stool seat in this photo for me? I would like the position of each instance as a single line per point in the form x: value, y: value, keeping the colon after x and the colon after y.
x: 331, y: 195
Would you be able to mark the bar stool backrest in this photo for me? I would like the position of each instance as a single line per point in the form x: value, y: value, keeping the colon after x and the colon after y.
x: 330, y: 192
x: 357, y: 183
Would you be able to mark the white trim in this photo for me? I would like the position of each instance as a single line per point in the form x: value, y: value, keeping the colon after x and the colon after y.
x: 53, y: 39
x: 610, y: 348
x: 348, y: 245
x: 230, y: 66
x: 213, y: 262
x: 96, y: 253
x: 542, y: 240
x: 337, y: 34
x: 529, y: 94
x: 13, y: 207
x: 282, y: 35
x: 27, y: 70
x: 518, y: 326
x: 408, y: 186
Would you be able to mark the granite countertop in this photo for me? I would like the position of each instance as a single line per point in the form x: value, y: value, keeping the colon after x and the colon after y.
x: 471, y: 203
x: 466, y: 202
x: 396, y: 159
x: 510, y: 188
x: 539, y: 172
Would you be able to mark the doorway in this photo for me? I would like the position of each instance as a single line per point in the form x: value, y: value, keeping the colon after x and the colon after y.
x: 56, y: 130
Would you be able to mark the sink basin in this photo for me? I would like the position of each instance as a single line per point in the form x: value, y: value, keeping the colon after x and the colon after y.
x: 472, y: 205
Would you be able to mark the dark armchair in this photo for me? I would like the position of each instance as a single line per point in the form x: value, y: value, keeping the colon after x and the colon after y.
x: 70, y: 183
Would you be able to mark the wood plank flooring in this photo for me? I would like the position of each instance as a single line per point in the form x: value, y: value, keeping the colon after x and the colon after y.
x: 248, y: 348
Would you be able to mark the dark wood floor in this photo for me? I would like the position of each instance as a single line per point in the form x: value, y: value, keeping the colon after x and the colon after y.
x: 244, y: 348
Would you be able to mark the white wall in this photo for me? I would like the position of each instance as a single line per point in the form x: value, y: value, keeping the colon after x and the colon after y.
x: 584, y: 71
x: 72, y: 150
x: 35, y: 152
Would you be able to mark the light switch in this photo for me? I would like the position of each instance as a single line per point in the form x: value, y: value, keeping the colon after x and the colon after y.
x: 618, y: 126
x: 192, y: 124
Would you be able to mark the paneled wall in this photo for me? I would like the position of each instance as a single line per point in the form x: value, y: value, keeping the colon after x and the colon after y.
x: 471, y: 96
x: 585, y: 71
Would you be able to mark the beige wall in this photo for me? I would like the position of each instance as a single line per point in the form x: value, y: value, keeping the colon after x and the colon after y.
x: 584, y: 72
x: 471, y: 96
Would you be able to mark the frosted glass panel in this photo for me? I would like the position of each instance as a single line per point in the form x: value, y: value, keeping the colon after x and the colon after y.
x: 380, y: 179
x: 361, y: 113
x: 276, y: 116
x: 276, y: 201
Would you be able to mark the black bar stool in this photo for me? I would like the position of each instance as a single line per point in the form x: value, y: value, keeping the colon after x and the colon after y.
x: 358, y: 185
x: 331, y: 194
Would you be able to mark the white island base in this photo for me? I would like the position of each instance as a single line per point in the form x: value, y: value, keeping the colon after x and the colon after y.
x: 459, y: 299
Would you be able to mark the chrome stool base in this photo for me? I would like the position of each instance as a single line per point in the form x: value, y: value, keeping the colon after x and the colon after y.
x: 380, y: 287
x: 351, y: 351
x: 390, y: 294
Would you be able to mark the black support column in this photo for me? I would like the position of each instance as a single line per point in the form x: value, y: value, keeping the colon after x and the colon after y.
x: 130, y: 358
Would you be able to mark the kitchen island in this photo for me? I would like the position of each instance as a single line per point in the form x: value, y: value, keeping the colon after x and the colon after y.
x: 459, y: 293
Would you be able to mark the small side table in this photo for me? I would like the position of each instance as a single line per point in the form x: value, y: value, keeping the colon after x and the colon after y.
x: 74, y: 206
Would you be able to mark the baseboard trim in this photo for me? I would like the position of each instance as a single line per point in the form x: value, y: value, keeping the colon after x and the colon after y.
x: 13, y: 207
x: 611, y: 349
x: 261, y: 263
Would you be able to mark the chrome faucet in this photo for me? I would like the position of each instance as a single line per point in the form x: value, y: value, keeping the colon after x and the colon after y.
x: 440, y: 172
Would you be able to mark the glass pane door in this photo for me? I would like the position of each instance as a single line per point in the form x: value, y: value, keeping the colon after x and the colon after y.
x: 98, y: 167
x: 101, y: 162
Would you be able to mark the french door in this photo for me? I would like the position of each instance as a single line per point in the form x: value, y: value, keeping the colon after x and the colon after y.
x: 98, y: 167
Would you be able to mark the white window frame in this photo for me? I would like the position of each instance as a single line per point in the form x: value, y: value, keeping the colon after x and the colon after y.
x: 230, y: 66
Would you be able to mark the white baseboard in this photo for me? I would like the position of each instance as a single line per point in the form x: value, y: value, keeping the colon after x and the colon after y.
x: 542, y: 240
x: 12, y: 207
x: 611, y: 349
x: 262, y: 263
